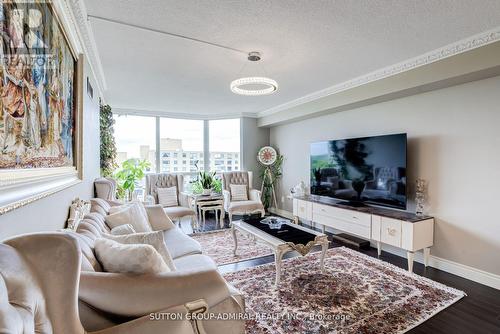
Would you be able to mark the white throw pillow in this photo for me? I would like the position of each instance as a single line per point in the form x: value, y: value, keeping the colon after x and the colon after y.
x: 167, y: 196
x: 154, y: 239
x: 239, y: 192
x: 132, y: 258
x: 133, y: 214
x: 123, y: 229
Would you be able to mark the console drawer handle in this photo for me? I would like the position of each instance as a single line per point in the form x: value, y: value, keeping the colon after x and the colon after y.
x: 391, y: 231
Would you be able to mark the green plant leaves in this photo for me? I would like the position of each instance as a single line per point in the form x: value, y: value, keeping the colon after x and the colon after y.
x: 107, y: 144
x: 207, y: 180
x: 268, y: 183
x: 130, y: 174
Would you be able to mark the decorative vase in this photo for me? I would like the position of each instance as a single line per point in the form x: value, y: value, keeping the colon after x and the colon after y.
x: 206, y: 192
x: 420, y: 197
x: 128, y: 195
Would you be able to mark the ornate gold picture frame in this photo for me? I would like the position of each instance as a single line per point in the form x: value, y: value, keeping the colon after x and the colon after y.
x: 41, y: 115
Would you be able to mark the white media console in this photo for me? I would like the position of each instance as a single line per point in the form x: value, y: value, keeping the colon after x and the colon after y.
x: 396, y: 228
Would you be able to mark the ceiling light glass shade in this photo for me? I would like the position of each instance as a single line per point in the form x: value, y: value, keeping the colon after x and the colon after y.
x: 265, y: 86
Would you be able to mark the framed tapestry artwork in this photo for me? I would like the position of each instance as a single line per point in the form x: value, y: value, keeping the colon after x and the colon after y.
x: 41, y: 104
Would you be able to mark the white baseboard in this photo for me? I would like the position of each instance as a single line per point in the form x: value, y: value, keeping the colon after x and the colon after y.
x: 283, y: 213
x: 462, y: 270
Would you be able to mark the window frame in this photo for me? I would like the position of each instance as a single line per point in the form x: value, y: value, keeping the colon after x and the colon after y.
x: 236, y: 158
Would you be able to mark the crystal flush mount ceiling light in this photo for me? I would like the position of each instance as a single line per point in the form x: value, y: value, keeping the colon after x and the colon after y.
x: 254, y: 86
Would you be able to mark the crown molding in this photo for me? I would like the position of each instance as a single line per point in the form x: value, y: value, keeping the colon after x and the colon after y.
x: 449, y: 50
x: 75, y: 14
x: 155, y: 113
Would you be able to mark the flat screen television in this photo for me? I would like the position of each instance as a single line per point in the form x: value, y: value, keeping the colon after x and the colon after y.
x: 369, y: 170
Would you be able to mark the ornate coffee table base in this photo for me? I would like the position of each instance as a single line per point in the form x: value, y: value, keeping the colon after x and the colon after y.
x: 281, y: 248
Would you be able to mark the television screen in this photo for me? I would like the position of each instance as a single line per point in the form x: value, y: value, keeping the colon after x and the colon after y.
x: 361, y: 170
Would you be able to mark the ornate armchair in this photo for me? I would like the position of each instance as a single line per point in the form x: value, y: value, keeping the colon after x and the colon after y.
x: 250, y: 206
x: 36, y: 300
x: 165, y: 180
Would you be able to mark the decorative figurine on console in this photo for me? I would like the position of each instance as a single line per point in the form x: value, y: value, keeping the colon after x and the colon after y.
x: 299, y: 190
x: 420, y: 197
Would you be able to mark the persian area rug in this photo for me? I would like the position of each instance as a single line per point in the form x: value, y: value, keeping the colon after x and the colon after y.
x: 219, y: 245
x: 356, y: 294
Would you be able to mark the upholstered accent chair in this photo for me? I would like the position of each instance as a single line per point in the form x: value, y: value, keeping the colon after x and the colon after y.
x: 39, y: 285
x: 250, y: 206
x: 165, y: 180
x: 105, y: 188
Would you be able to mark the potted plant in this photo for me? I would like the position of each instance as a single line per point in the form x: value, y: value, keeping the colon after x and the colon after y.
x: 274, y: 173
x: 206, y: 180
x: 129, y: 175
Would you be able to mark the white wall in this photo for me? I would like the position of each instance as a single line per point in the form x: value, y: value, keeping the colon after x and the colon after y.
x: 50, y: 213
x: 454, y: 143
x: 252, y: 139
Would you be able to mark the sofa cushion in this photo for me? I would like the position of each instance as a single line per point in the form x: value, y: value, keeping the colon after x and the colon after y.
x: 179, y: 244
x: 133, y: 214
x: 175, y: 212
x: 195, y: 262
x: 123, y: 229
x: 116, y: 257
x: 155, y: 239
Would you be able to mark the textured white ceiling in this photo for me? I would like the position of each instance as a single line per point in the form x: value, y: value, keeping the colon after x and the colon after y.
x: 307, y: 45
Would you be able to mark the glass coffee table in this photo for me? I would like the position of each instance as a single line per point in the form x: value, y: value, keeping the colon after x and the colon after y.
x: 281, y: 239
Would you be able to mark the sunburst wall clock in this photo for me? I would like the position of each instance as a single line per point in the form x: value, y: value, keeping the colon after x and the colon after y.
x: 267, y: 155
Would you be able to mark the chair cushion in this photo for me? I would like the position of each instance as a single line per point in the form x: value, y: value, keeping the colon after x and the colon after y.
x: 179, y: 244
x: 239, y: 192
x: 129, y: 258
x: 245, y: 206
x: 195, y: 262
x: 175, y: 212
x: 133, y: 214
x: 167, y: 197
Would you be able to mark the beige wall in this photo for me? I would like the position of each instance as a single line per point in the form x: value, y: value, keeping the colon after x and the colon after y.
x: 50, y: 213
x: 252, y: 139
x: 454, y: 143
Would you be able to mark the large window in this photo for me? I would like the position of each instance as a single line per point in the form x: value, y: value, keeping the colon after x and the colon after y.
x: 135, y: 138
x: 181, y: 145
x: 224, y: 143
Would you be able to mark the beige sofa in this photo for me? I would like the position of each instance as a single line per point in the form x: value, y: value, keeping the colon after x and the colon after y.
x: 106, y: 299
x: 39, y: 278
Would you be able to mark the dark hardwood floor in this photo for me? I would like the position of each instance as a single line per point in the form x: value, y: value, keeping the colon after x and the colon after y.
x: 477, y: 313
